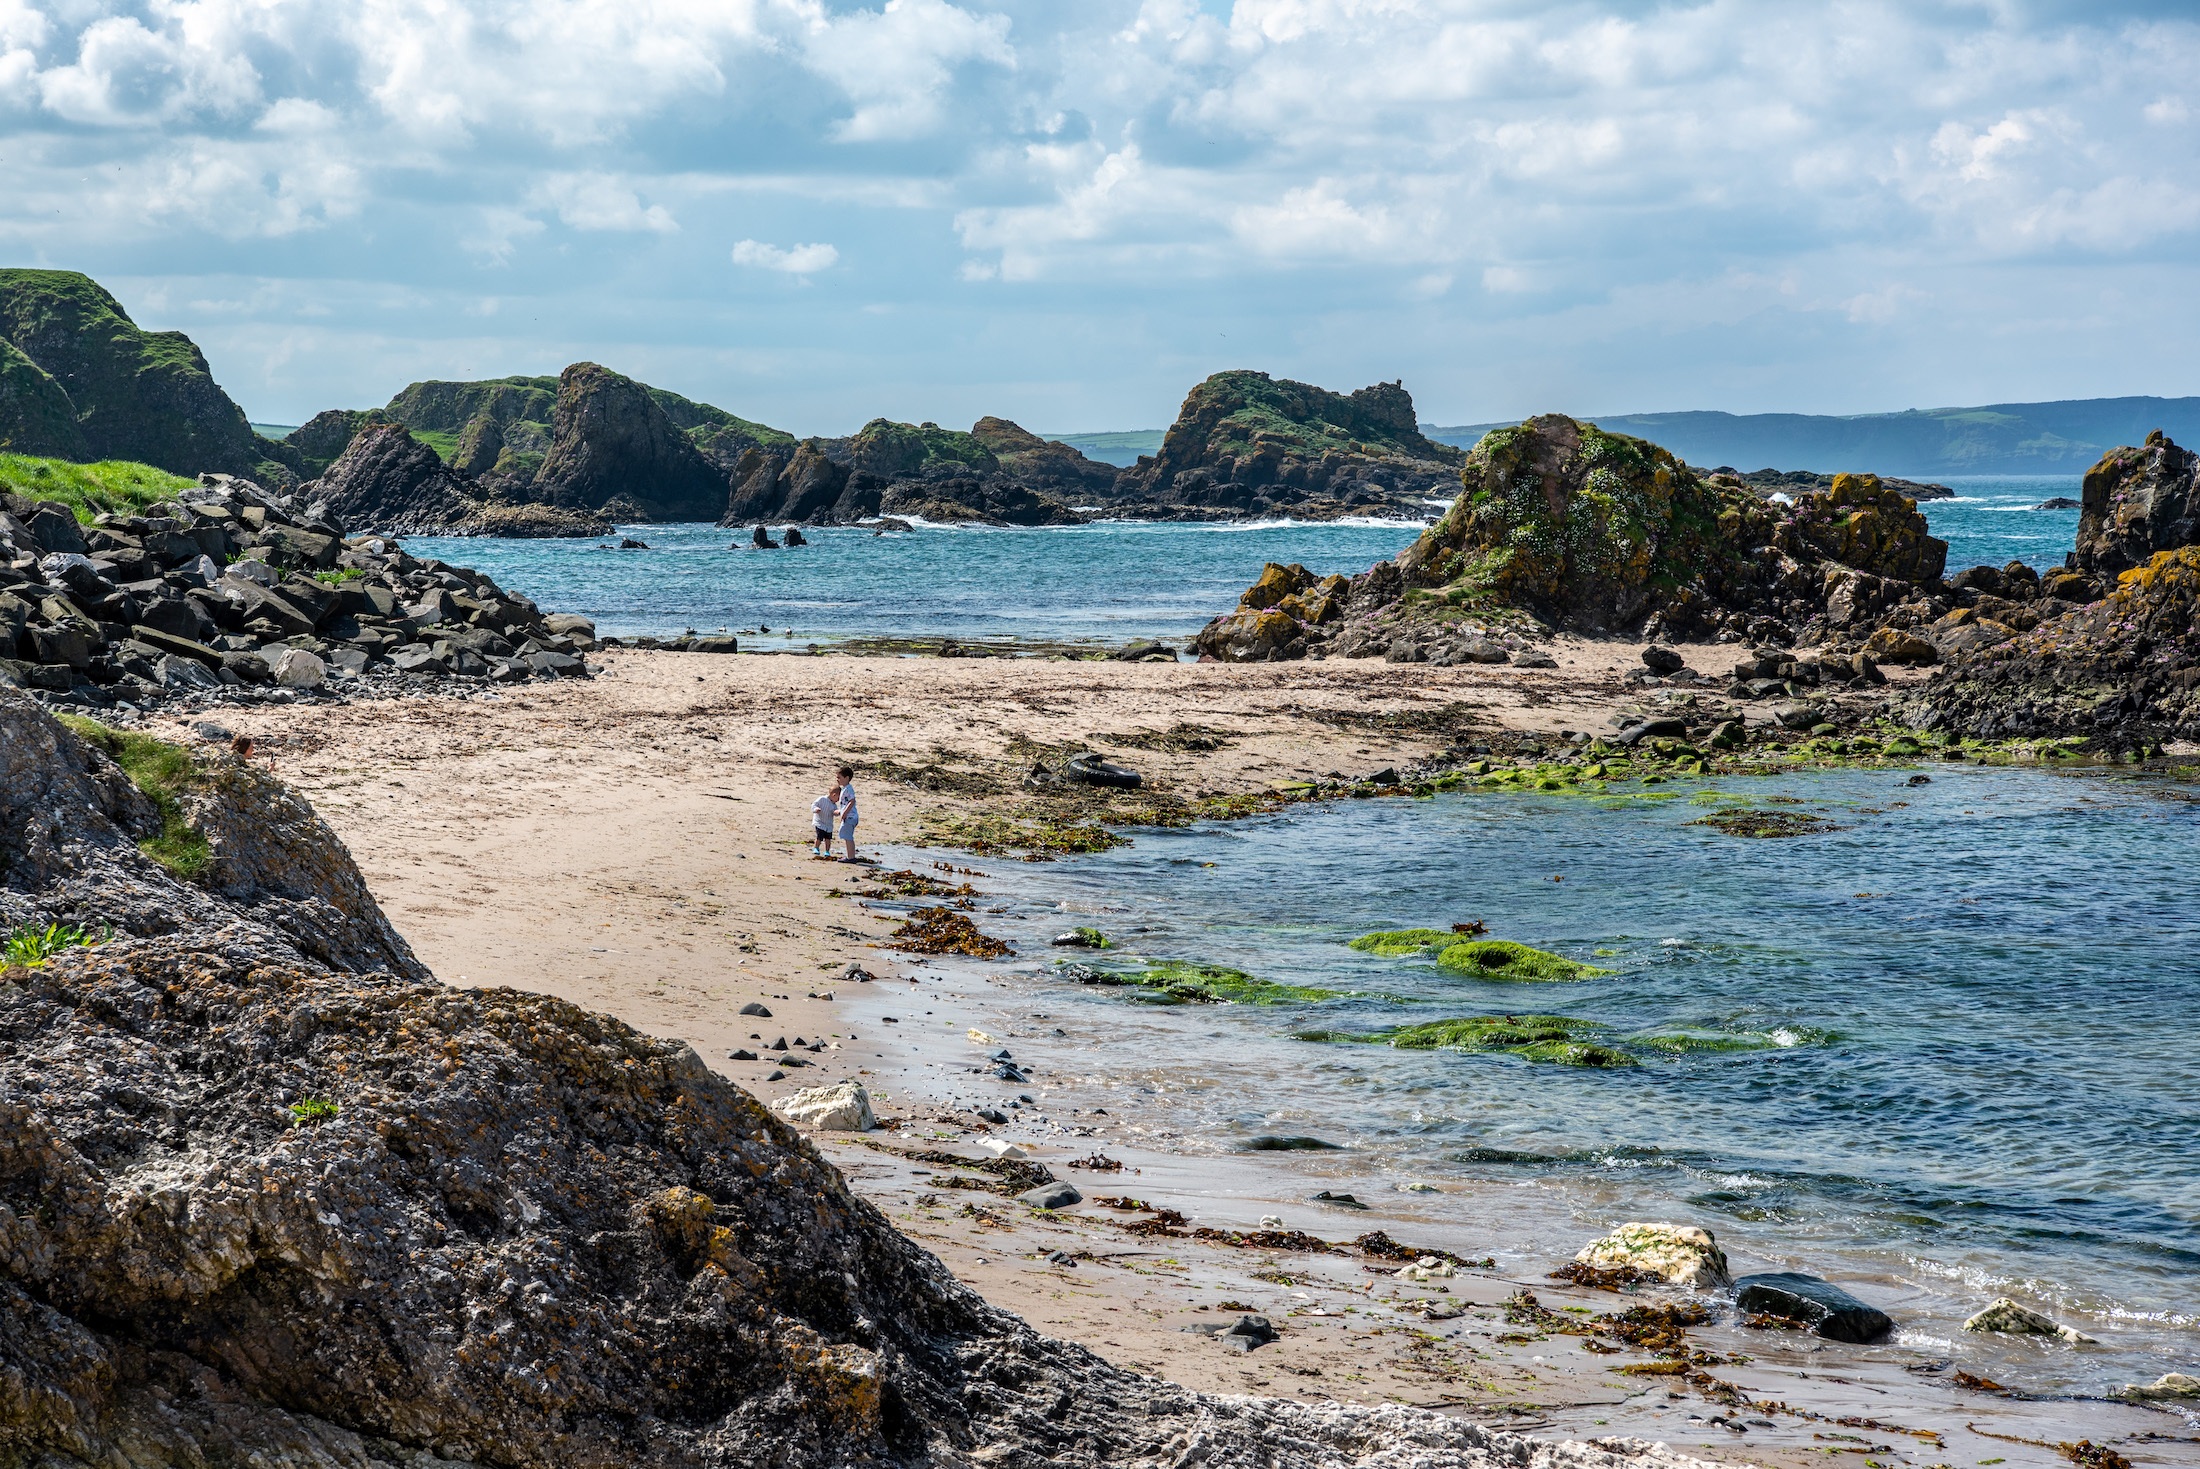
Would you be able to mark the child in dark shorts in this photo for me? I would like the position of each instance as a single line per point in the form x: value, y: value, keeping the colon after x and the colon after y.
x: 822, y: 817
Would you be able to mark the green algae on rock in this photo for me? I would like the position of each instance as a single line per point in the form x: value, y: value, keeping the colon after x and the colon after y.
x: 1504, y: 959
x: 1550, y: 1039
x: 1187, y: 982
x: 1403, y: 943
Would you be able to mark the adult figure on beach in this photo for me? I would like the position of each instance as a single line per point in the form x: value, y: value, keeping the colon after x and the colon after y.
x: 846, y: 810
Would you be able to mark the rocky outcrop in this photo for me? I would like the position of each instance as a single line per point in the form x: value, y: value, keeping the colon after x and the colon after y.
x: 613, y: 450
x: 259, y: 1207
x: 1246, y: 443
x: 322, y: 439
x: 387, y: 481
x: 905, y: 470
x: 2124, y: 670
x: 1561, y: 525
x: 1043, y: 466
x: 2136, y: 502
x: 230, y: 593
x: 132, y: 394
x: 1804, y: 481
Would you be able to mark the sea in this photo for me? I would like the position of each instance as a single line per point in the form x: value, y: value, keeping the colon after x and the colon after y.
x: 1945, y: 1050
x: 1105, y: 583
x: 1942, y: 1052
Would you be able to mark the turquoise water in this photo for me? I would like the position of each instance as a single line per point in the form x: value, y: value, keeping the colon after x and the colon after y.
x: 1991, y: 521
x: 1966, y: 1025
x: 1109, y: 582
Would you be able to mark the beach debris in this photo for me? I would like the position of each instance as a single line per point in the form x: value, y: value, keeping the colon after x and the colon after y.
x: 1051, y: 1196
x: 1098, y: 1163
x: 2005, y: 1315
x: 1000, y: 1148
x: 1335, y: 1200
x: 2168, y: 1385
x: 1822, y: 1306
x: 856, y: 974
x: 1612, y: 1278
x: 979, y: 1037
x: 1428, y: 1267
x: 944, y: 931
x: 1271, y: 1221
x: 754, y: 1008
x: 1680, y: 1254
x: 842, y: 1107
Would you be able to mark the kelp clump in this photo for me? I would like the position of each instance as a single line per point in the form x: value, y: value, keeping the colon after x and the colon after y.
x: 944, y: 931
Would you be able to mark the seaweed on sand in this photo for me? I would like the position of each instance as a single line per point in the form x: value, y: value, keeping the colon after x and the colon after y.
x: 944, y: 931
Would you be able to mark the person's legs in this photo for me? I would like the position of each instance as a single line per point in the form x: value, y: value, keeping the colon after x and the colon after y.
x: 848, y: 839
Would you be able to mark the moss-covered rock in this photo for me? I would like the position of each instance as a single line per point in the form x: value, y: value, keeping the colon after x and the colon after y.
x: 1555, y: 1040
x: 1405, y: 943
x: 1188, y: 982
x: 1506, y: 960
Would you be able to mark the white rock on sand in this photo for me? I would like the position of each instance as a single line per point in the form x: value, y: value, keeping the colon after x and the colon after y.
x: 1682, y: 1253
x: 842, y: 1107
x: 298, y: 669
x: 2006, y: 1315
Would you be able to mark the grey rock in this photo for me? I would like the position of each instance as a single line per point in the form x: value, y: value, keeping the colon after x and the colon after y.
x: 1825, y: 1308
x: 1051, y: 1196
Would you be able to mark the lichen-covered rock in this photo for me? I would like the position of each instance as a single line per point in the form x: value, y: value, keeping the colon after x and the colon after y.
x: 2125, y: 669
x: 1682, y: 1253
x: 2137, y: 502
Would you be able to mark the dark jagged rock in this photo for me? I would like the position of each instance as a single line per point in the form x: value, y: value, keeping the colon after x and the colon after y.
x: 1803, y: 481
x: 1562, y: 525
x: 909, y: 470
x: 1246, y: 443
x: 388, y: 481
x: 2136, y: 502
x: 134, y: 394
x: 322, y: 439
x: 613, y: 450
x: 312, y: 1210
x: 1824, y: 1307
x: 992, y: 499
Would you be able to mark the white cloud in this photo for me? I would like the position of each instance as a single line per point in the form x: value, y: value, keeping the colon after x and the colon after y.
x: 795, y: 260
x: 898, y: 63
x: 594, y: 201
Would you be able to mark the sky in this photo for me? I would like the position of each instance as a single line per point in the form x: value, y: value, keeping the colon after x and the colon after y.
x: 1067, y: 212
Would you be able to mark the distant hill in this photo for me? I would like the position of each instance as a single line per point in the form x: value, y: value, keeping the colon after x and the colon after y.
x: 2000, y: 438
x: 1120, y: 449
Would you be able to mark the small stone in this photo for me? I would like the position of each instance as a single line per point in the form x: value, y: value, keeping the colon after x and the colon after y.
x: 295, y: 668
x: 753, y: 1008
x: 2005, y: 1315
x: 1248, y: 1333
x: 1661, y: 659
x: 842, y: 1107
x: 1824, y: 1307
x: 988, y: 1114
x: 1051, y: 1196
x: 743, y: 1055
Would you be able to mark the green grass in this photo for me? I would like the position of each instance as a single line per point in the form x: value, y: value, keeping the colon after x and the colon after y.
x: 163, y: 772
x: 31, y: 947
x: 339, y: 576
x: 116, y: 486
x: 445, y: 445
x: 313, y: 1111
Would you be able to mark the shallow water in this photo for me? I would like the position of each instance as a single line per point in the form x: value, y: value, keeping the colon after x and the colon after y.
x: 1109, y: 582
x: 1968, y: 1020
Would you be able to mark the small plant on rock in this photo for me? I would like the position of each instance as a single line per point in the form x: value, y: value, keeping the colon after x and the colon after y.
x: 31, y: 947
x: 163, y: 772
x: 313, y: 1111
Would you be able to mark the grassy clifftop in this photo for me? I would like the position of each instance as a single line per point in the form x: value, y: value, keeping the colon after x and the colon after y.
x: 118, y: 486
x: 133, y: 394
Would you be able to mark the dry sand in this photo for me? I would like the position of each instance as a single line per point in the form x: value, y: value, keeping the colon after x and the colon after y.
x: 638, y: 843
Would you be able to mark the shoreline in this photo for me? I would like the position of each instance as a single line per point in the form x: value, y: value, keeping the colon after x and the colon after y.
x: 633, y: 843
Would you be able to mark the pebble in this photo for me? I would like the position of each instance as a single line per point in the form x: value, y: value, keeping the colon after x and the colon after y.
x: 753, y: 1008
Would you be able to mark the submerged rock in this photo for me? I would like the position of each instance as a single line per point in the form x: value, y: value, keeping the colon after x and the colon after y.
x: 2005, y: 1315
x: 1682, y: 1253
x: 1825, y: 1308
x: 2169, y: 1386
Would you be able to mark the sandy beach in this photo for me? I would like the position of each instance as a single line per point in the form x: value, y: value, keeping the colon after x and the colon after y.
x: 638, y: 843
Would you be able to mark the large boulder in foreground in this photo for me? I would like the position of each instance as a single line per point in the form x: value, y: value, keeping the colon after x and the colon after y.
x: 2137, y: 502
x: 258, y: 1208
x: 614, y: 450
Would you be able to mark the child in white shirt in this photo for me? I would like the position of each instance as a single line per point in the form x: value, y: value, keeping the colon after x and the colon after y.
x: 823, y: 814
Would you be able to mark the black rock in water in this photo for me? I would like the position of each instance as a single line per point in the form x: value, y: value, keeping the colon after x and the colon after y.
x: 762, y: 540
x: 1825, y: 1308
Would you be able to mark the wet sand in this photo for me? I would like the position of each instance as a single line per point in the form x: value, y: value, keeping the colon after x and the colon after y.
x: 638, y: 843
